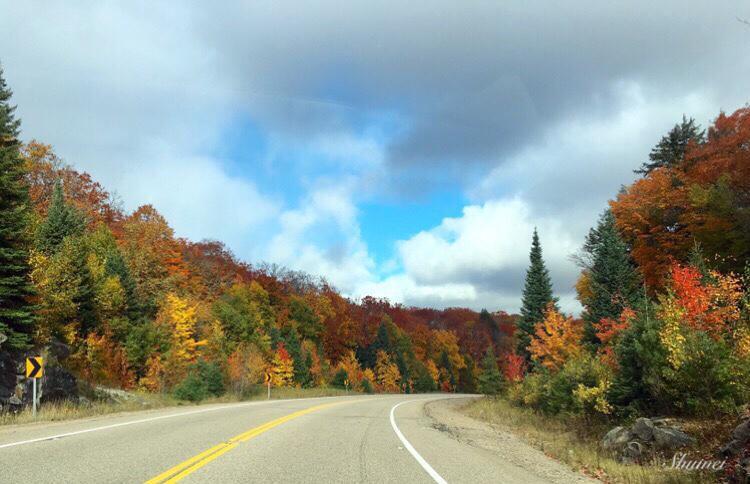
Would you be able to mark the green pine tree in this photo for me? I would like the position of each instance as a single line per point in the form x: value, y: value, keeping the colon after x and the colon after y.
x: 670, y: 150
x: 446, y: 365
x: 641, y: 359
x: 368, y: 355
x: 62, y: 221
x: 423, y: 381
x: 403, y: 368
x: 466, y: 381
x: 16, y: 313
x: 294, y: 347
x: 115, y: 265
x: 85, y: 297
x: 614, y: 280
x: 490, y: 380
x: 537, y: 294
x: 486, y: 320
x: 382, y: 340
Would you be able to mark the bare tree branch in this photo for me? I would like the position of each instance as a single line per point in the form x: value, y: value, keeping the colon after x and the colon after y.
x: 744, y: 21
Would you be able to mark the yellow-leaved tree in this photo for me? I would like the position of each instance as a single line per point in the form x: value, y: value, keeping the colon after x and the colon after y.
x: 178, y: 316
x: 349, y: 363
x: 387, y: 373
x: 432, y: 369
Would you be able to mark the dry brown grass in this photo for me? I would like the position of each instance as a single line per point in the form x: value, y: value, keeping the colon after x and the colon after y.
x: 576, y: 443
x: 66, y: 410
x: 58, y: 411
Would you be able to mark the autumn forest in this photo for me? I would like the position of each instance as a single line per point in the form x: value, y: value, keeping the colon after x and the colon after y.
x: 664, y: 285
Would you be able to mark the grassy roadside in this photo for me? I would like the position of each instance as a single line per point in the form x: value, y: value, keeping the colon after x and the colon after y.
x: 138, y: 401
x: 575, y: 443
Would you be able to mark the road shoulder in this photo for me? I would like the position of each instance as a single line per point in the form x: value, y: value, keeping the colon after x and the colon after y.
x: 446, y: 416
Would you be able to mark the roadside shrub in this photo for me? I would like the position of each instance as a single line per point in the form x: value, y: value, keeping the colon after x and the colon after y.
x: 366, y: 386
x: 580, y: 387
x: 641, y: 359
x: 192, y: 388
x: 490, y: 379
x: 710, y: 378
x: 567, y: 389
x: 211, y: 375
x: 203, y: 380
x: 665, y: 368
x: 528, y: 392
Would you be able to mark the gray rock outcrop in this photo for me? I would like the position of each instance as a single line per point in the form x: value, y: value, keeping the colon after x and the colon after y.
x: 643, y: 437
x: 56, y: 384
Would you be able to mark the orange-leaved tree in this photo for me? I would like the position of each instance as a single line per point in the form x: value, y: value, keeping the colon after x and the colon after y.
x: 556, y: 340
x: 710, y: 304
x: 106, y: 362
x: 701, y: 198
x: 245, y: 367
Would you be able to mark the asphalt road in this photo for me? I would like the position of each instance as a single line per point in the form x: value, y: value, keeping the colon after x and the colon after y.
x: 345, y: 439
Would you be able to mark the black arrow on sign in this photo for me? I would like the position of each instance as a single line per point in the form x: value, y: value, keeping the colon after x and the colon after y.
x: 37, y: 367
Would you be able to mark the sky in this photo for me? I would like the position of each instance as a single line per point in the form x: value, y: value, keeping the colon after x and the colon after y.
x: 399, y: 149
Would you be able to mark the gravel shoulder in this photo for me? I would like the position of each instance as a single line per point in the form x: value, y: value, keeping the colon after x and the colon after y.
x: 446, y: 416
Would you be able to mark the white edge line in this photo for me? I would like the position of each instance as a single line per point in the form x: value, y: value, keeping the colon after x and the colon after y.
x: 425, y: 465
x: 151, y: 419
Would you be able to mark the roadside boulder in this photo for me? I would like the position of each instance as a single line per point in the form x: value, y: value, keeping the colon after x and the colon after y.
x: 617, y: 438
x: 644, y: 429
x: 671, y: 438
x: 643, y: 438
x: 740, y: 440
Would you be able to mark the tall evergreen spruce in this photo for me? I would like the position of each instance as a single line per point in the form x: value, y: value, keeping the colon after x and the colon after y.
x: 614, y: 279
x: 16, y: 313
x: 670, y: 150
x: 537, y: 294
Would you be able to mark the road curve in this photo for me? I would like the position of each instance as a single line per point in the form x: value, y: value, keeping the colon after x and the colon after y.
x: 385, y: 438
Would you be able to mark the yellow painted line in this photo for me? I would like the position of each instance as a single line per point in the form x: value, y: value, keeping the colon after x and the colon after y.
x: 174, y: 470
x: 200, y: 464
x: 194, y: 463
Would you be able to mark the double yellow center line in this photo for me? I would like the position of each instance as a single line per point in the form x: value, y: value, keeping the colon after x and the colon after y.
x: 180, y: 471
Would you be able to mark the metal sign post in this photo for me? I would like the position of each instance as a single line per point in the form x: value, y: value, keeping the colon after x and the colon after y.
x: 267, y: 380
x: 34, y: 370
